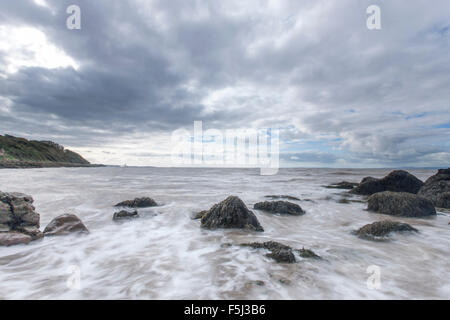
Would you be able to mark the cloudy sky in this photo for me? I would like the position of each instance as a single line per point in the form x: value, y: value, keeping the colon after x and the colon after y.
x: 341, y: 95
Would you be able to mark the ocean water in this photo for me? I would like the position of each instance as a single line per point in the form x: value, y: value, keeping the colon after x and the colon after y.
x: 166, y: 255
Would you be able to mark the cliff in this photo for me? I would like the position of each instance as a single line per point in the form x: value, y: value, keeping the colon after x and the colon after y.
x: 22, y: 153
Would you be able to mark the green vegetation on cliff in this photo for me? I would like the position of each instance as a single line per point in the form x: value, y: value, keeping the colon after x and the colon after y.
x: 20, y: 152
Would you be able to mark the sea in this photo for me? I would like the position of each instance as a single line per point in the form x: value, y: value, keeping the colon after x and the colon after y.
x: 165, y: 254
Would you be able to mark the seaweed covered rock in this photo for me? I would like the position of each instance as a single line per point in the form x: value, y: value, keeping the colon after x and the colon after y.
x: 282, y: 256
x: 343, y: 185
x: 125, y: 215
x: 65, y: 224
x: 230, y: 213
x: 282, y: 196
x: 396, y: 181
x: 281, y: 207
x: 144, y: 202
x: 437, y: 189
x: 400, y: 204
x: 281, y: 253
x: 307, y: 253
x: 382, y: 229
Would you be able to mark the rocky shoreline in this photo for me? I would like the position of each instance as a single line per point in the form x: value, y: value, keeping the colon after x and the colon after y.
x: 399, y: 194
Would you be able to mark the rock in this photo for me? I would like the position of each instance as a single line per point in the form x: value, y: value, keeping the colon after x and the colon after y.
x: 230, y: 213
x: 258, y: 283
x: 19, y: 222
x: 269, y: 245
x: 33, y: 232
x: 13, y: 238
x: 396, y: 181
x: 343, y: 185
x: 282, y: 256
x: 284, y: 281
x: 280, y: 252
x: 16, y: 211
x: 282, y: 197
x: 443, y: 200
x: 382, y: 229
x: 306, y: 253
x: 282, y: 207
x: 400, y: 204
x: 367, y: 179
x: 144, y: 202
x: 199, y: 215
x: 65, y: 224
x: 437, y: 189
x: 125, y: 215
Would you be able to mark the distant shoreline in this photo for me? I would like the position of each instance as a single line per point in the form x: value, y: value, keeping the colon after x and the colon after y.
x: 35, y: 165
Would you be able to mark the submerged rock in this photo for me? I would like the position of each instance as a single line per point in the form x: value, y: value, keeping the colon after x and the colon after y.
x: 280, y: 252
x: 437, y: 189
x: 65, y: 224
x: 282, y: 207
x: 125, y: 215
x: 282, y: 197
x: 381, y: 229
x: 144, y: 202
x: 396, y: 181
x: 269, y: 245
x: 400, y: 204
x: 343, y: 185
x: 13, y: 238
x: 307, y: 253
x: 230, y: 213
x: 282, y: 256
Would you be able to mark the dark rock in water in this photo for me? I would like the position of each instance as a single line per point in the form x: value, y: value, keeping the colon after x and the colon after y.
x: 443, y: 200
x: 269, y: 245
x: 65, y: 224
x: 282, y: 207
x: 200, y: 214
x: 230, y: 213
x: 280, y: 252
x: 144, y: 202
x: 343, y: 185
x: 13, y: 238
x: 396, y: 181
x: 367, y: 179
x: 306, y: 253
x: 282, y: 197
x: 282, y: 256
x: 437, y: 189
x: 125, y: 215
x: 400, y: 204
x: 382, y: 229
